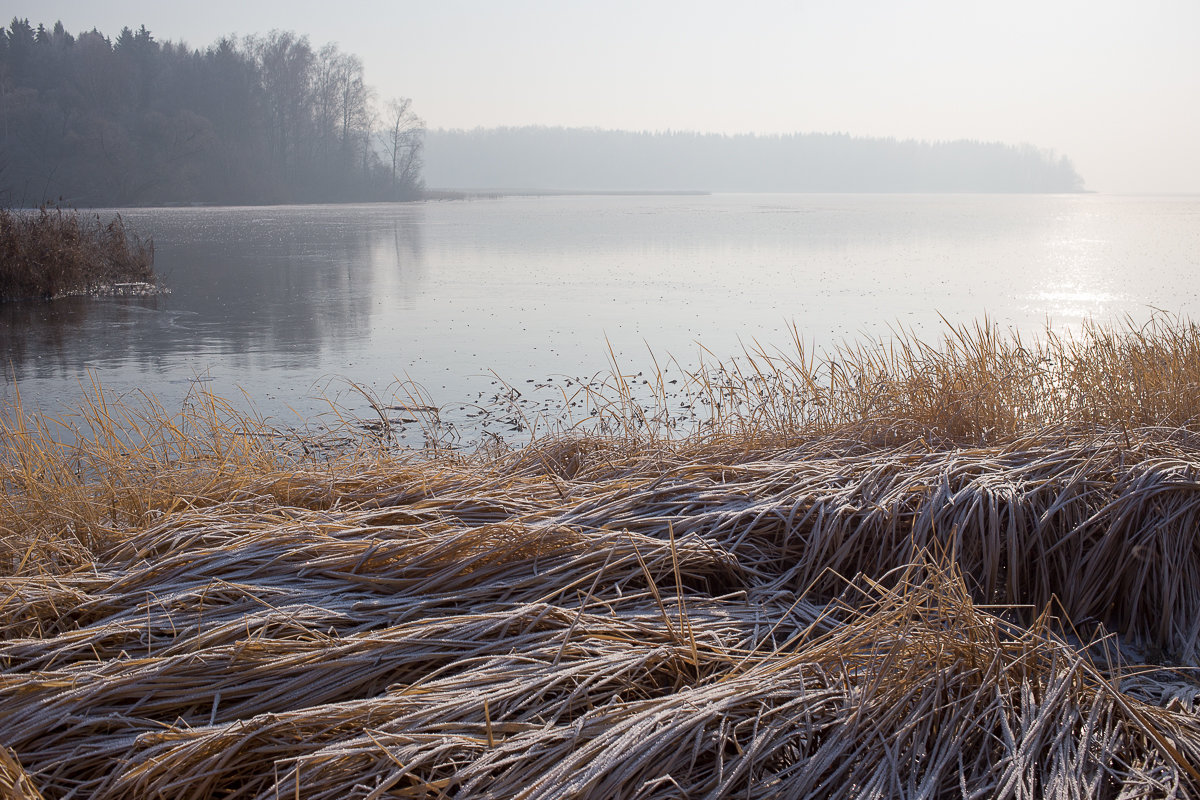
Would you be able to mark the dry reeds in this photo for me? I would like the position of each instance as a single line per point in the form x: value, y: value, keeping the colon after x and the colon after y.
x: 54, y: 253
x: 978, y: 599
x: 974, y: 386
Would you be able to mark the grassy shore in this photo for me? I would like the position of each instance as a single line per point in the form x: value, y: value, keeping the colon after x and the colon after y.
x: 967, y: 568
x: 54, y: 253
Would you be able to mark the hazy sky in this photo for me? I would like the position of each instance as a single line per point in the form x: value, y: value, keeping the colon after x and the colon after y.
x: 1114, y: 85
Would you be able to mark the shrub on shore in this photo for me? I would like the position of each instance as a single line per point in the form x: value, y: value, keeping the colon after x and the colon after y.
x: 808, y: 606
x: 54, y: 253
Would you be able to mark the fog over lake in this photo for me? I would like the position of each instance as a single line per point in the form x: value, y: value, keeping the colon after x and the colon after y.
x: 287, y: 303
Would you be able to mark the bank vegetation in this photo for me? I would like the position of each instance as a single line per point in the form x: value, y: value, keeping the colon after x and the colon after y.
x: 960, y: 569
x: 55, y: 253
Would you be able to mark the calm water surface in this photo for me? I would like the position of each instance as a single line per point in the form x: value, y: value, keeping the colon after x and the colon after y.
x: 284, y: 304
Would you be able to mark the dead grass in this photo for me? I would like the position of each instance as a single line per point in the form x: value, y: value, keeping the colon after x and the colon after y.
x: 899, y: 580
x: 54, y: 253
x: 976, y: 385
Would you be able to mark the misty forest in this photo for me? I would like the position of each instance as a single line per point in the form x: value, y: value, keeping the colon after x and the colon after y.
x: 134, y: 121
x: 605, y: 160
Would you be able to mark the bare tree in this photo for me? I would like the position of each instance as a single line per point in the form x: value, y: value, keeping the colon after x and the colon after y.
x: 285, y: 62
x: 326, y: 92
x: 354, y: 97
x: 366, y: 129
x: 402, y: 140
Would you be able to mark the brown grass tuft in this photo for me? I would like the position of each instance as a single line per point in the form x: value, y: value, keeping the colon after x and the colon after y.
x: 55, y: 253
x: 928, y: 584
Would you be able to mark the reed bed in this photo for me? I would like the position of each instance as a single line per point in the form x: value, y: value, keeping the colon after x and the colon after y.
x: 923, y: 585
x: 55, y: 253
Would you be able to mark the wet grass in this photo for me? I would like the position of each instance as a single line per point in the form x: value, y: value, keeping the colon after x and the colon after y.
x: 968, y: 568
x: 55, y: 253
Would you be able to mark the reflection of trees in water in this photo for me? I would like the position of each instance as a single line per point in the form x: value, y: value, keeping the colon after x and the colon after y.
x: 398, y: 260
x: 287, y: 282
x: 43, y: 338
x: 293, y: 281
x: 39, y: 329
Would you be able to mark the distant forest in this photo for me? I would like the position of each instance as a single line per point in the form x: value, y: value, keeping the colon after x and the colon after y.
x: 568, y: 159
x: 131, y: 120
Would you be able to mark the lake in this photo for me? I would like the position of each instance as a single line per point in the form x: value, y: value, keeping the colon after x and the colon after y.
x: 283, y: 307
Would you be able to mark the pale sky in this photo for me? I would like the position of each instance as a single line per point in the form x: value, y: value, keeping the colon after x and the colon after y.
x: 1114, y: 85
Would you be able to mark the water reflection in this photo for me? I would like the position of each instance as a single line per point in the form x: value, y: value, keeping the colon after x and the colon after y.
x: 281, y: 301
x: 292, y: 283
x: 267, y: 288
x: 1084, y: 276
x: 44, y: 339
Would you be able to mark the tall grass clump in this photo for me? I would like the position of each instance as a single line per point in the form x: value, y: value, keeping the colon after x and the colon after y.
x: 55, y: 253
x: 975, y: 385
x: 76, y: 484
x: 895, y: 576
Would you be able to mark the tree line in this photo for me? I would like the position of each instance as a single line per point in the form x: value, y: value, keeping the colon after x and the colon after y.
x: 131, y: 120
x: 566, y: 159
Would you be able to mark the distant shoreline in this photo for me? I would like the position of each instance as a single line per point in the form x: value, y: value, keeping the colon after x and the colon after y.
x: 533, y: 156
x: 465, y: 194
x: 439, y: 195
